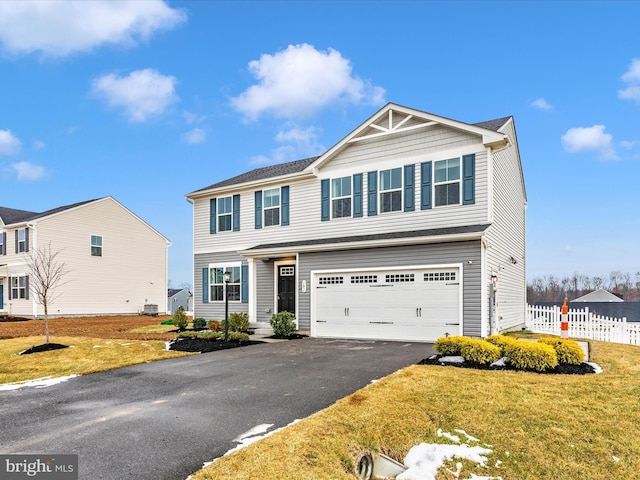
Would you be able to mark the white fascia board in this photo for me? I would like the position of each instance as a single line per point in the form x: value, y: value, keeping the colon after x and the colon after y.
x: 294, y: 250
x: 249, y: 185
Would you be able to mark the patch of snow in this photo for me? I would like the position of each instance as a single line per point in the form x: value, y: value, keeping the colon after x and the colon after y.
x: 500, y: 363
x: 616, y: 459
x: 433, y: 357
x: 97, y: 346
x: 469, y: 437
x: 167, y: 344
x: 424, y: 460
x: 452, y: 359
x: 126, y: 344
x: 37, y: 383
x: 476, y: 477
x: 596, y: 367
x: 453, y: 438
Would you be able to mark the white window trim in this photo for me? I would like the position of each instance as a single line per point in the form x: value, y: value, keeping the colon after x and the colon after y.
x: 342, y: 197
x: 278, y: 207
x: 18, y: 288
x: 447, y: 182
x: 380, y: 191
x: 101, y: 246
x: 226, y: 214
x: 22, y: 242
x: 224, y: 266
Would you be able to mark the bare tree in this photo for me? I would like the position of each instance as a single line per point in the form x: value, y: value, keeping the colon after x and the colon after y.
x: 47, y: 273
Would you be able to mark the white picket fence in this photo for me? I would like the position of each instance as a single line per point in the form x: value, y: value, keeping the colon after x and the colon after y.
x: 583, y: 324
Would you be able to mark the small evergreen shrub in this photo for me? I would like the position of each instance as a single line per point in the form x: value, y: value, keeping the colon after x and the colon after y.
x: 568, y: 351
x: 503, y: 342
x: 450, y: 346
x: 199, y: 323
x: 536, y: 356
x: 180, y: 320
x: 283, y: 324
x: 238, y: 322
x: 215, y: 325
x: 480, y: 352
x: 188, y: 335
x: 213, y: 336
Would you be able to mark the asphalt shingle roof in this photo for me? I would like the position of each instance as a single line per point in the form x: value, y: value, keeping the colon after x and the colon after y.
x: 11, y: 215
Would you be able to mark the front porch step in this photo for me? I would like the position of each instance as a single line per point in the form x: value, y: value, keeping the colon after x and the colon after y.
x: 260, y: 328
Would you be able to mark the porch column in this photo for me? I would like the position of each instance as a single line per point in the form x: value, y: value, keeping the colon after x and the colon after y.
x: 253, y: 297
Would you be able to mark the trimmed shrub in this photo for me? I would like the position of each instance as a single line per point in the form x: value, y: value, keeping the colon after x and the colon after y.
x: 283, y: 324
x: 188, y: 335
x: 215, y: 325
x: 180, y: 320
x: 451, y: 345
x: 536, y: 356
x: 213, y: 336
x: 568, y: 351
x: 503, y: 342
x: 238, y: 322
x: 480, y: 352
x: 199, y: 323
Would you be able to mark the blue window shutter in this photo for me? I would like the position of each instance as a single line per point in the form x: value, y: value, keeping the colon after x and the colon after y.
x: 258, y: 205
x: 357, y: 195
x: 205, y: 285
x: 212, y: 215
x: 409, y: 188
x: 26, y: 287
x: 469, y: 179
x: 425, y: 185
x: 372, y: 193
x: 325, y: 200
x: 244, y: 285
x: 16, y: 241
x: 284, y: 205
x: 236, y: 213
x: 26, y: 249
x: 4, y: 243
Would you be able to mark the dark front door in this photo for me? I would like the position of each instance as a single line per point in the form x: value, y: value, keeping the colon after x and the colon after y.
x: 287, y: 288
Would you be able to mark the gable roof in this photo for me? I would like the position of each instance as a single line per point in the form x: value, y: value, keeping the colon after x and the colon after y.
x: 11, y: 216
x: 599, y: 295
x: 488, y: 130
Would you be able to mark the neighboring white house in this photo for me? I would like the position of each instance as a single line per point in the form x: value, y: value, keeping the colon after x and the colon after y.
x: 115, y: 262
x: 410, y: 228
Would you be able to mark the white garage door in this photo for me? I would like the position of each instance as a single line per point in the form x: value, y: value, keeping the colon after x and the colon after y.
x: 419, y: 304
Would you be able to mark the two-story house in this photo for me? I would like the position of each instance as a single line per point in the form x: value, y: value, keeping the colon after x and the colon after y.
x: 410, y: 228
x: 115, y: 263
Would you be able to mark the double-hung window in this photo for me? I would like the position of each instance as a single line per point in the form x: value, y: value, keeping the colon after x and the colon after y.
x: 225, y: 214
x: 96, y: 245
x: 341, y: 197
x: 22, y: 240
x: 217, y: 285
x: 19, y: 288
x: 271, y: 207
x: 2, y: 245
x: 447, y: 182
x: 391, y: 190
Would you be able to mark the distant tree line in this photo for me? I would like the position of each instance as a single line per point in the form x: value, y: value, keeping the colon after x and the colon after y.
x: 550, y: 288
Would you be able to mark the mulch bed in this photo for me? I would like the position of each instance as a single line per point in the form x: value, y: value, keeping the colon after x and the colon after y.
x: 562, y: 368
x: 204, y: 346
x: 46, y: 347
x: 295, y: 336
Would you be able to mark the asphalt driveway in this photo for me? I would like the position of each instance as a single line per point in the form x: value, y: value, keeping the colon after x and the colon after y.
x: 163, y: 420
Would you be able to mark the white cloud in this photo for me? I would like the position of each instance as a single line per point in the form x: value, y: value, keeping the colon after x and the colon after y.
x: 299, y: 143
x: 61, y: 28
x: 299, y: 81
x: 38, y: 144
x: 594, y: 138
x: 143, y: 93
x: 197, y: 135
x: 632, y: 79
x: 9, y: 143
x: 629, y: 144
x: 28, y: 171
x: 542, y: 104
x: 191, y: 118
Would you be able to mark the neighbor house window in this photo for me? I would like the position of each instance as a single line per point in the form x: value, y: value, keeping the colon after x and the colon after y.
x: 96, y: 245
x: 217, y: 285
x: 271, y: 207
x: 19, y: 286
x: 341, y: 197
x: 447, y: 182
x: 2, y: 247
x: 22, y: 240
x: 391, y: 190
x: 225, y: 211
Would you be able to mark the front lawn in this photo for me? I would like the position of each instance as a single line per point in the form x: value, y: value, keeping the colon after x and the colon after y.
x: 538, y: 426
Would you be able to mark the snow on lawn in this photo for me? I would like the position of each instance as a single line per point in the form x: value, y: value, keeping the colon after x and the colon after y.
x: 38, y: 383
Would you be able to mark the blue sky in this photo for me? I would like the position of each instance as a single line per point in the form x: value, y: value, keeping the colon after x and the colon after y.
x: 147, y: 101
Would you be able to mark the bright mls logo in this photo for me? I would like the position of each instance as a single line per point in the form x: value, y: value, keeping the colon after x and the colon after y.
x: 50, y: 467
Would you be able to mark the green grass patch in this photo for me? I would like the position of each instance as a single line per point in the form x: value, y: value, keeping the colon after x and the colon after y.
x: 84, y: 355
x: 539, y: 426
x: 162, y: 328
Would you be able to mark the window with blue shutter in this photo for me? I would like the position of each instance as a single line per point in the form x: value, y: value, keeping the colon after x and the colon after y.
x: 236, y: 213
x: 284, y: 202
x: 325, y: 200
x: 357, y: 195
x: 258, y: 208
x: 212, y: 215
x: 372, y: 193
x: 244, y: 293
x: 409, y: 188
x: 468, y: 179
x: 425, y: 186
x: 205, y: 285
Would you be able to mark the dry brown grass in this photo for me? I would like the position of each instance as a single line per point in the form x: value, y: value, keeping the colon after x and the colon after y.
x: 539, y: 426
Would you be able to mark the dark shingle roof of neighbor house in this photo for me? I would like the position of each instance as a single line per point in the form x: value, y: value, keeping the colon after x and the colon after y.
x: 10, y: 215
x: 298, y: 165
x: 432, y: 232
